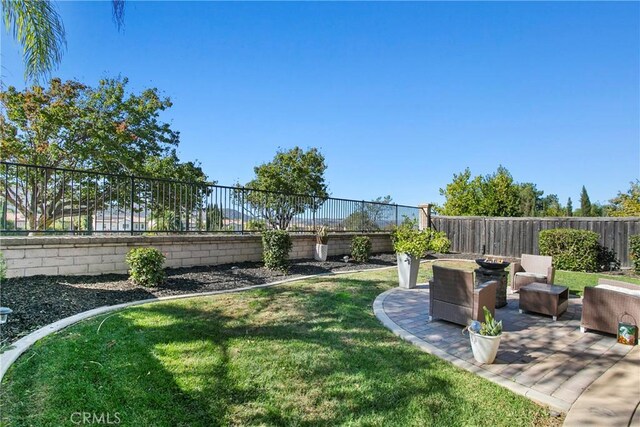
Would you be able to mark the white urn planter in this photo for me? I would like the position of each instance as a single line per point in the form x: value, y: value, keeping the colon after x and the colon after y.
x: 321, y: 252
x: 408, y: 267
x: 484, y: 347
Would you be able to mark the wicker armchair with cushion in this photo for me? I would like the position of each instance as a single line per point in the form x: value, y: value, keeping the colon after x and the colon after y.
x: 453, y: 296
x: 604, y: 305
x: 530, y: 269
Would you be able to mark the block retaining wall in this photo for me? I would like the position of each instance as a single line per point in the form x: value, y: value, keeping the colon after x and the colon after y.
x: 79, y: 255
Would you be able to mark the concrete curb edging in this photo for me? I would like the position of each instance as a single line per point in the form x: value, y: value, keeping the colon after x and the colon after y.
x: 19, y: 347
x: 378, y: 309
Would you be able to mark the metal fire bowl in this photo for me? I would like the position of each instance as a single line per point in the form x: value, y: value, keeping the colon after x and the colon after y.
x: 482, y: 262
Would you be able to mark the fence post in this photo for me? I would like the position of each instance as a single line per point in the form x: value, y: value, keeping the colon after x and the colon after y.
x: 133, y: 183
x: 242, y: 213
x: 362, y: 217
x: 396, y: 214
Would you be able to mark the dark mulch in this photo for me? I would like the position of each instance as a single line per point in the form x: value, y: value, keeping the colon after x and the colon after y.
x: 40, y: 300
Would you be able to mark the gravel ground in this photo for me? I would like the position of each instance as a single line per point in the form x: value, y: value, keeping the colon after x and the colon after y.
x: 40, y: 300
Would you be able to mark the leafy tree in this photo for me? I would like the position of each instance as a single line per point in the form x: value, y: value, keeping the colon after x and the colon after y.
x: 569, y: 207
x: 214, y: 218
x: 626, y: 204
x: 71, y: 125
x: 37, y: 26
x: 530, y: 199
x: 500, y: 195
x: 491, y: 195
x: 551, y: 206
x: 360, y: 221
x: 292, y: 172
x: 585, y: 203
x: 463, y: 195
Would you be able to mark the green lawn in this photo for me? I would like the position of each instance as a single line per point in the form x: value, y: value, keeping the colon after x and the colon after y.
x: 577, y: 281
x: 307, y: 353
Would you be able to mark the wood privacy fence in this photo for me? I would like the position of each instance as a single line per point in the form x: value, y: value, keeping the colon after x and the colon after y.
x: 511, y: 237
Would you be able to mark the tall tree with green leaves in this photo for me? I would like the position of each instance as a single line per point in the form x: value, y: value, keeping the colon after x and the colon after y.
x: 569, y: 207
x: 38, y: 28
x: 291, y: 172
x: 530, y: 199
x: 73, y: 126
x: 492, y: 195
x: 462, y: 196
x: 551, y: 206
x: 500, y: 195
x: 626, y: 204
x: 585, y: 203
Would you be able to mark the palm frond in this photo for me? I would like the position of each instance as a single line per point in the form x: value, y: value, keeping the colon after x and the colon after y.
x: 118, y: 13
x: 36, y: 25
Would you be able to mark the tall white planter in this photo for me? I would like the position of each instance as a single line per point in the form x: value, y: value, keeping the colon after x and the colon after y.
x: 484, y: 348
x: 321, y: 252
x: 408, y: 267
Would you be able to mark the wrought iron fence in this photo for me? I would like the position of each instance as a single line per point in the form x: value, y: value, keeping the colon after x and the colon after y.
x: 37, y: 199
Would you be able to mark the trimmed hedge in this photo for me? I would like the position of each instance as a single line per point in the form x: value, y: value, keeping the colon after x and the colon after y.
x: 634, y: 252
x: 361, y: 248
x: 573, y: 250
x: 146, y: 266
x: 276, y: 245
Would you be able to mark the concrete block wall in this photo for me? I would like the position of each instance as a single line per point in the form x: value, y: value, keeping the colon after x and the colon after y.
x: 79, y: 255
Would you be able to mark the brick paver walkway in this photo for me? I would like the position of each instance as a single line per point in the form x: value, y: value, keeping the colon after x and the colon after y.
x: 549, y: 362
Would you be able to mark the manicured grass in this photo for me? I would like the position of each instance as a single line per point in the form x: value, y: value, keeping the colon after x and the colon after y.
x: 308, y: 353
x: 577, y: 281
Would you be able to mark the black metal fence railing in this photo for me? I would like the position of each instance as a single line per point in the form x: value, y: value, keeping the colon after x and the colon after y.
x: 37, y: 199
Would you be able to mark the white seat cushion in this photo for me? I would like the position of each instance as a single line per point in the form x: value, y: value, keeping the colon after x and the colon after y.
x: 534, y: 275
x: 621, y: 290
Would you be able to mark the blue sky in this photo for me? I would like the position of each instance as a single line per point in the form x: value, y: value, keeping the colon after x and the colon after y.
x: 398, y: 96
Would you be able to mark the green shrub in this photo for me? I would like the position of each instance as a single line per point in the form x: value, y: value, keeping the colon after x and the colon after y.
x: 146, y: 266
x: 438, y: 241
x: 607, y: 259
x: 3, y: 267
x: 573, y: 250
x: 276, y: 245
x: 361, y: 248
x: 634, y: 251
x: 406, y: 238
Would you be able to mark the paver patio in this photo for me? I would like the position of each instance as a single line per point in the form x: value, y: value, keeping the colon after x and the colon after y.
x: 549, y: 362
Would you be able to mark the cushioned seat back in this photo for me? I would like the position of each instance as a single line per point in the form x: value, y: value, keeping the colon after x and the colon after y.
x: 453, y: 286
x: 536, y: 263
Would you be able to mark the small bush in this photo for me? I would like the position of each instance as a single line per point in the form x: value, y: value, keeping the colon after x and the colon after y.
x: 438, y: 241
x: 276, y: 245
x: 146, y: 266
x: 3, y: 267
x: 634, y: 252
x: 361, y: 248
x: 573, y: 250
x: 406, y: 238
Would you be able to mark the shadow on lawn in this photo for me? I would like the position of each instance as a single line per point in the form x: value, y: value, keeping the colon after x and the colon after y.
x: 334, y: 326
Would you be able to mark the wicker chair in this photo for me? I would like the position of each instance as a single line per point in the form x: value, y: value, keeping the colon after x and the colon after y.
x: 602, y: 309
x: 530, y: 269
x: 453, y: 296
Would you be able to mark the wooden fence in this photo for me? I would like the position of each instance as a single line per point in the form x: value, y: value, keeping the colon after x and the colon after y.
x: 511, y: 237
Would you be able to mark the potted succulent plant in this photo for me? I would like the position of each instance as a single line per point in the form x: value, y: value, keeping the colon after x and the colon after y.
x: 485, y: 337
x: 322, y: 247
x: 410, y: 244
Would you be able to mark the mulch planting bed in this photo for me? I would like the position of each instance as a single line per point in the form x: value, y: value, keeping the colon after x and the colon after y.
x: 39, y: 300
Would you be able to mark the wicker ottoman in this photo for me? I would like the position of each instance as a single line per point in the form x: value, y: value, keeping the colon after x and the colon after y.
x: 542, y: 298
